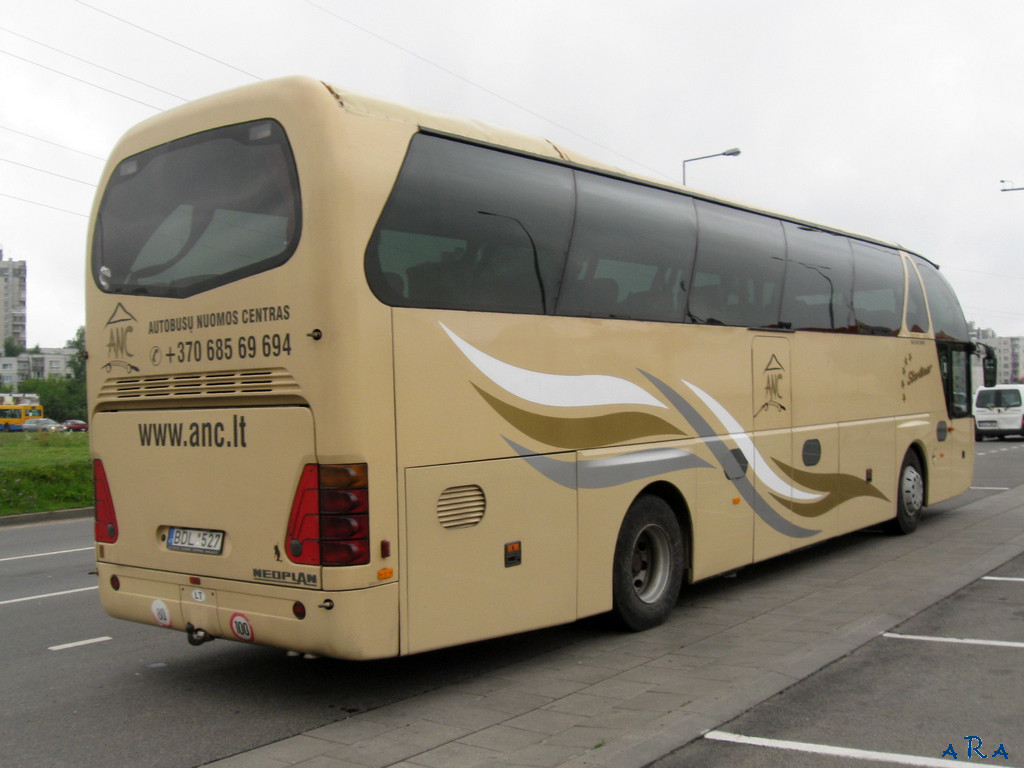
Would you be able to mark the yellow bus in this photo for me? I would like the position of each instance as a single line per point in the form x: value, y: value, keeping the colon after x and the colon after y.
x: 13, y: 416
x: 367, y: 381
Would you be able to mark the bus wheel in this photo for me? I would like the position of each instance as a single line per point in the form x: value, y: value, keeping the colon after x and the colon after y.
x: 648, y: 568
x: 909, y: 496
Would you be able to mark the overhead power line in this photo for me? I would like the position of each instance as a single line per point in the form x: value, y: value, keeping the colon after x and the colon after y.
x: 478, y: 86
x: 168, y: 40
x: 43, y: 170
x: 91, y: 63
x: 80, y: 80
x: 979, y: 272
x: 53, y: 143
x: 44, y: 205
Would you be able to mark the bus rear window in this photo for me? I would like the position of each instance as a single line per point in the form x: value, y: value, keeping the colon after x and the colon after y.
x: 199, y: 212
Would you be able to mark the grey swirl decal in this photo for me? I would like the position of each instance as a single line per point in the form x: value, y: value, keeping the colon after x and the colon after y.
x: 610, y: 471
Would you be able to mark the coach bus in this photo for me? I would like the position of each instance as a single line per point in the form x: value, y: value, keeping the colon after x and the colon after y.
x: 367, y: 381
x: 14, y: 415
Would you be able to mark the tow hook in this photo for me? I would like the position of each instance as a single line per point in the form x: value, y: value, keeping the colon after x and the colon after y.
x: 197, y: 636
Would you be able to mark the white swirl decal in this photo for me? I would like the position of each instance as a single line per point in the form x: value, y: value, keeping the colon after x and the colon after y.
x: 559, y: 390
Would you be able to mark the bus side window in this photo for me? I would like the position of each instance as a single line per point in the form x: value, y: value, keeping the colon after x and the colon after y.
x: 473, y: 228
x: 877, y: 289
x: 947, y: 316
x: 732, y: 242
x: 818, y: 292
x: 641, y: 238
x: 917, y: 311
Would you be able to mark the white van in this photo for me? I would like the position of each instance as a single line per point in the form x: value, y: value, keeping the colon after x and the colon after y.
x: 999, y: 411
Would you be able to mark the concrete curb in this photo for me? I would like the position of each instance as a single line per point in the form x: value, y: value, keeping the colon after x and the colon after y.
x: 43, y: 517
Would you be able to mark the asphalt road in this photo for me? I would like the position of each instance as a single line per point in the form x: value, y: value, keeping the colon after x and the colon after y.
x: 81, y: 689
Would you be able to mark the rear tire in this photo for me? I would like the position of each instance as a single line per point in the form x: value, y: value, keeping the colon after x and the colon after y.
x: 909, y: 496
x: 648, y: 567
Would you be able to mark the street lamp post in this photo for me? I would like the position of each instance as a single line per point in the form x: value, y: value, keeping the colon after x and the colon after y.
x: 1010, y: 188
x: 727, y: 153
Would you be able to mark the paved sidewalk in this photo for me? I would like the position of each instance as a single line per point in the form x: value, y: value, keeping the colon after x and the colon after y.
x: 625, y: 700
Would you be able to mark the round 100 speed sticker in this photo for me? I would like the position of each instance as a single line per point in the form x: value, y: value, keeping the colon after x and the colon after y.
x: 241, y: 627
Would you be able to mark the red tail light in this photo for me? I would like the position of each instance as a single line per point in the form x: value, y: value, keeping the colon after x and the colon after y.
x: 330, y: 520
x: 106, y: 519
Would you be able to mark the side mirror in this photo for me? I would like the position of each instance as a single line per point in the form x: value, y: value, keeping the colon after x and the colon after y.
x: 989, y: 365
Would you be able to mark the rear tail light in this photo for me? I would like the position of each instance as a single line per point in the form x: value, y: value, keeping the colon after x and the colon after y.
x: 105, y: 518
x: 330, y: 520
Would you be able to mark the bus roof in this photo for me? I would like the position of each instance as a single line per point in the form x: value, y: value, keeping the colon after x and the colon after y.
x: 489, y: 135
x: 475, y: 131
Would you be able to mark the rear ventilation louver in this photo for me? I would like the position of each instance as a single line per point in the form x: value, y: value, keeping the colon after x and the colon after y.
x: 199, y: 385
x: 461, y: 506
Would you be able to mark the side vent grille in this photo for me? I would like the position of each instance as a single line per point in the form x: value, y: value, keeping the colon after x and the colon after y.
x: 461, y: 506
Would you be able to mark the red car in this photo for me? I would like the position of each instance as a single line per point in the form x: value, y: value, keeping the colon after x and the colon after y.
x: 74, y: 425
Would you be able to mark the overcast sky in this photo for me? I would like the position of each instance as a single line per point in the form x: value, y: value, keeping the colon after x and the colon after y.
x: 896, y: 119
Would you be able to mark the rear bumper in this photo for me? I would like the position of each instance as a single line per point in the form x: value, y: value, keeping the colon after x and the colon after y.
x: 354, y: 624
x: 993, y: 428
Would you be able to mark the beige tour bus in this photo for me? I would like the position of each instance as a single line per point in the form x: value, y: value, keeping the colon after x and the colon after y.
x: 366, y: 381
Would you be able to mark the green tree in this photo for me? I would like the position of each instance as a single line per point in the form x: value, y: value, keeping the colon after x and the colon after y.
x: 61, y: 399
x: 78, y: 361
x: 64, y: 399
x: 12, y: 348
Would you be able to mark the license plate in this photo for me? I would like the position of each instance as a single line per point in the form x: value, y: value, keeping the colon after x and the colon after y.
x: 195, y: 540
x: 986, y: 423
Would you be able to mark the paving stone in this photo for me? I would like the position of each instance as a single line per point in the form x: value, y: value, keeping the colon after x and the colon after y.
x: 620, y: 700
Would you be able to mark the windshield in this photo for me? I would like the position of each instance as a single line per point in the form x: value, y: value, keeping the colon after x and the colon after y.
x: 198, y: 212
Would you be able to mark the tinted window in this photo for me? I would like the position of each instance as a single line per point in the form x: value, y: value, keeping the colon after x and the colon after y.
x: 877, y: 289
x: 818, y: 295
x: 955, y: 368
x: 472, y: 228
x: 198, y: 212
x: 960, y: 396
x: 1000, y: 398
x: 737, y: 277
x: 632, y: 251
x: 917, y: 311
x: 947, y: 317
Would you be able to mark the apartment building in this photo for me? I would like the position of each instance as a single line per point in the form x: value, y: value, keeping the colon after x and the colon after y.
x: 12, y: 300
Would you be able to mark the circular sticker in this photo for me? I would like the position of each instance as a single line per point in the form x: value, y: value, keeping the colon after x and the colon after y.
x: 161, y: 613
x: 241, y: 628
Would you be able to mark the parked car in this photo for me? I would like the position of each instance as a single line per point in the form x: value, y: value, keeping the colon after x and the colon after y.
x: 74, y: 425
x: 999, y: 411
x: 42, y: 425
